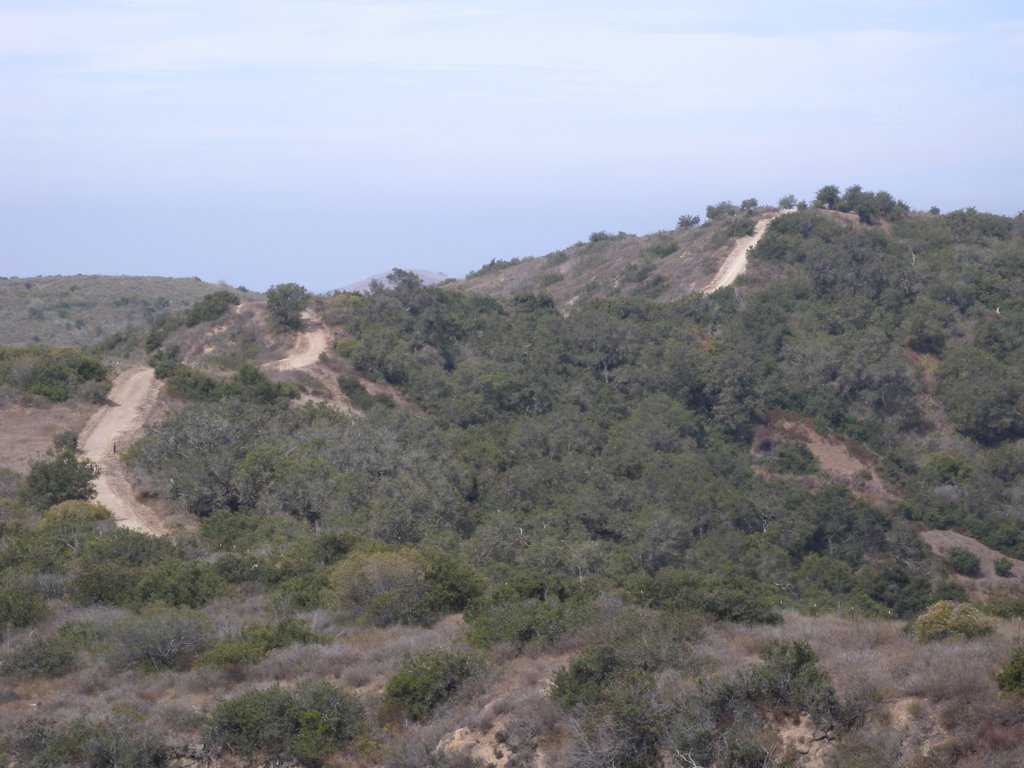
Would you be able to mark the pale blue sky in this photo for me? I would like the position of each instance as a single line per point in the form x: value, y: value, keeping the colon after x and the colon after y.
x: 320, y: 141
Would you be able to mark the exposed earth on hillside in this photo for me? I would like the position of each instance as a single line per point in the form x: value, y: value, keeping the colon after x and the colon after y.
x: 840, y: 458
x: 116, y: 425
x: 939, y: 541
x: 663, y: 266
x: 735, y: 263
x: 309, y: 345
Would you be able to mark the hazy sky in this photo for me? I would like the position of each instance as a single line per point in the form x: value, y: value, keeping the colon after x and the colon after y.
x: 320, y: 141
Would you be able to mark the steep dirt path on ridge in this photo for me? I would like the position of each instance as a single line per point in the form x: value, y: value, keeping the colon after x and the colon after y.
x: 308, y: 347
x: 116, y: 426
x: 735, y: 263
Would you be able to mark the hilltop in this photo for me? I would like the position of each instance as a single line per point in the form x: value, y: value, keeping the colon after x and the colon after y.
x: 663, y: 266
x: 84, y: 309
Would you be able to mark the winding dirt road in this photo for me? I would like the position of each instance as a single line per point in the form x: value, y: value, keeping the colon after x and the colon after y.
x: 309, y: 345
x: 117, y: 425
x: 735, y: 263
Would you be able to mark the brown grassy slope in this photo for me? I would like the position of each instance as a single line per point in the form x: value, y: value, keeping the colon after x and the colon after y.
x: 917, y: 704
x: 30, y: 424
x: 621, y: 265
x: 82, y: 309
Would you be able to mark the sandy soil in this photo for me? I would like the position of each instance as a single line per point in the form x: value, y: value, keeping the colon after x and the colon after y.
x: 941, y: 540
x: 116, y: 426
x: 735, y: 263
x: 308, y: 347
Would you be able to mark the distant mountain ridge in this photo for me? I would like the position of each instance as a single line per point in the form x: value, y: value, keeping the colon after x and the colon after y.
x: 77, y: 310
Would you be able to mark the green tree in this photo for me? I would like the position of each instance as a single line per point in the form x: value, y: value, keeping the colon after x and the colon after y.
x: 286, y: 303
x: 721, y: 210
x: 687, y: 221
x: 60, y: 477
x: 827, y: 197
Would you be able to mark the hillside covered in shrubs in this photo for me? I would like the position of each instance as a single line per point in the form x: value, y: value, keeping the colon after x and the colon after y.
x: 577, y: 536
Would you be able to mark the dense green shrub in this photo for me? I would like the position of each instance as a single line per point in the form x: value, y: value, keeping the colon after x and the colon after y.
x: 43, y: 657
x: 585, y: 680
x: 50, y: 656
x: 452, y: 583
x: 98, y: 583
x: 56, y: 374
x: 1003, y: 567
x: 425, y: 680
x: 210, y: 307
x: 383, y: 588
x: 510, y: 618
x: 127, y: 548
x: 177, y: 583
x: 286, y: 303
x: 794, y: 458
x: 84, y: 744
x: 946, y: 619
x: 902, y: 592
x: 310, y: 724
x: 788, y: 682
x: 20, y: 608
x: 249, y: 384
x: 1010, y: 677
x: 257, y: 640
x: 962, y: 561
x: 207, y: 309
x: 728, y: 599
x: 354, y: 390
x: 259, y: 719
x: 62, y: 476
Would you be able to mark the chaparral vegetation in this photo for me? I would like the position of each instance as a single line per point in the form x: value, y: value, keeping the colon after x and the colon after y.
x: 775, y: 524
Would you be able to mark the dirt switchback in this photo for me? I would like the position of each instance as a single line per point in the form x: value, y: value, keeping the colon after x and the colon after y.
x: 309, y: 345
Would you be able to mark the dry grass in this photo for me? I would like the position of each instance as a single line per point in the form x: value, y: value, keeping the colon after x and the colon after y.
x: 82, y: 309
x: 30, y: 424
x: 600, y: 268
x: 921, y: 705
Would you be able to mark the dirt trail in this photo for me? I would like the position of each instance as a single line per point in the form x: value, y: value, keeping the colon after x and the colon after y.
x: 735, y: 263
x: 308, y: 346
x: 116, y: 426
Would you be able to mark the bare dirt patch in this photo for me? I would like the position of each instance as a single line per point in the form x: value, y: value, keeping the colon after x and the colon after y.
x: 114, y: 427
x: 810, y: 746
x: 842, y: 459
x: 28, y: 430
x: 309, y: 344
x: 988, y: 581
x: 735, y: 263
x: 491, y: 739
